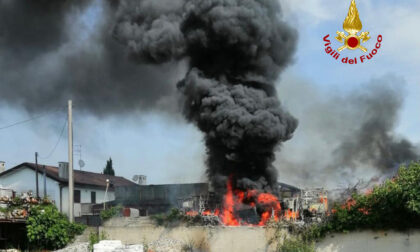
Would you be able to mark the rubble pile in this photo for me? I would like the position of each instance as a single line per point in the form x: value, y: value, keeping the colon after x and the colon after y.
x: 116, y: 246
x: 78, y: 247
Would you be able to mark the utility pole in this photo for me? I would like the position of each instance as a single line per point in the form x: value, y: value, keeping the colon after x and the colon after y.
x: 45, y: 183
x: 71, y: 182
x: 36, y: 175
x: 106, y: 192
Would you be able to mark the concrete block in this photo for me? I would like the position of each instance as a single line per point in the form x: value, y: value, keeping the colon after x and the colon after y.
x: 116, y: 246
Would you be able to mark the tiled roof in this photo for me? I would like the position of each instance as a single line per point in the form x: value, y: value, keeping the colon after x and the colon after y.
x: 80, y: 177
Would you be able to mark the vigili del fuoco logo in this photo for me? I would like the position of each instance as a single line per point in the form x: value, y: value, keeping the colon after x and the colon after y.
x: 351, y: 40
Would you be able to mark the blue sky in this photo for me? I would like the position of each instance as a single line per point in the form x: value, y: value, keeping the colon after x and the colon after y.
x: 399, y: 54
x: 167, y: 149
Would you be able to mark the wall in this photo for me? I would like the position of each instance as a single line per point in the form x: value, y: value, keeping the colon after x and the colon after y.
x: 23, y: 180
x: 244, y: 239
x: 158, y: 198
x: 84, y: 198
x: 372, y: 241
x: 219, y: 238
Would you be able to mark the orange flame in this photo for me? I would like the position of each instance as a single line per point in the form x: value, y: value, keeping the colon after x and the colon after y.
x: 349, y: 204
x: 234, y: 199
x: 191, y: 213
x: 289, y: 214
x: 228, y: 217
x: 324, y: 200
x: 207, y: 212
x: 364, y: 211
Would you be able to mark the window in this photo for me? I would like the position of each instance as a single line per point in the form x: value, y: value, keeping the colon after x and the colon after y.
x: 93, y: 197
x: 76, y: 196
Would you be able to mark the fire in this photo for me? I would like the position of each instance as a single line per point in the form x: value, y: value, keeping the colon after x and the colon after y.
x: 237, y: 203
x: 228, y: 217
x: 207, y: 212
x: 291, y: 215
x: 265, y: 204
x: 349, y: 204
x: 324, y: 200
x: 217, y: 212
x: 191, y: 213
x: 364, y: 211
x: 272, y: 207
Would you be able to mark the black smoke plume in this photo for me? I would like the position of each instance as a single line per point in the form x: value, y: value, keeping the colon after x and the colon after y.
x: 52, y: 51
x: 373, y: 141
x: 236, y: 50
x: 346, y: 138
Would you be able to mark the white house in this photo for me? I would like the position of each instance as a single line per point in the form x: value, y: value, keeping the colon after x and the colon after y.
x: 89, y: 187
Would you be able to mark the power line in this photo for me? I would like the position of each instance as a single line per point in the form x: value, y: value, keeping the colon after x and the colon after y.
x: 29, y: 119
x: 58, y: 141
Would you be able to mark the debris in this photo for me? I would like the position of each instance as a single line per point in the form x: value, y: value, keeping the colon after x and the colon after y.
x: 78, y: 247
x: 116, y: 246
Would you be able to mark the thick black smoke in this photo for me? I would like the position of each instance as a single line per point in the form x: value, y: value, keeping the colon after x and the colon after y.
x: 346, y: 138
x: 52, y: 51
x: 373, y: 141
x: 235, y: 49
x: 112, y: 57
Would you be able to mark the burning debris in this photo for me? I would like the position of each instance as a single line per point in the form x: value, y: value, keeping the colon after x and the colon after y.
x: 235, y: 50
x: 253, y: 208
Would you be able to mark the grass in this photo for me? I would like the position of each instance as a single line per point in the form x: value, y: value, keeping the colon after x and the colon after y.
x: 95, y: 237
x: 197, y: 243
x: 295, y: 245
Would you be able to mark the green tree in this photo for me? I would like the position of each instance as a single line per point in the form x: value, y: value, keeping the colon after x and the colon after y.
x: 109, y: 170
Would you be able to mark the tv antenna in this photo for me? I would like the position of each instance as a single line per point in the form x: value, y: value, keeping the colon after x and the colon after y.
x: 135, y: 178
x: 78, y: 151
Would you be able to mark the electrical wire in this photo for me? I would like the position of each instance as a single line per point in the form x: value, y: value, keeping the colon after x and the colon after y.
x: 56, y: 144
x: 28, y: 120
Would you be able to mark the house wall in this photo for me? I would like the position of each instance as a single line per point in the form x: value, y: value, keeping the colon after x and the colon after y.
x: 23, y: 180
x: 84, y: 198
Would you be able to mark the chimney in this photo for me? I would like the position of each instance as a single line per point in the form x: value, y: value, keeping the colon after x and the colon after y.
x: 63, y: 170
x: 2, y: 166
x: 142, y: 180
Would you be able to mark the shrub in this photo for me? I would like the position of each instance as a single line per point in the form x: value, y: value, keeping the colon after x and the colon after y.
x: 47, y: 228
x: 196, y: 243
x: 291, y: 245
x: 173, y: 217
x: 176, y: 217
x: 394, y: 204
x: 111, y: 212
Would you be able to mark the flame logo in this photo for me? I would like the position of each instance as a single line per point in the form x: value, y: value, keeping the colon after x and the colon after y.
x: 352, y: 25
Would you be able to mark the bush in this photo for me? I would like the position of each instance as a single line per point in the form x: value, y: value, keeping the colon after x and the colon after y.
x: 291, y: 245
x: 47, y: 228
x: 111, y: 212
x: 174, y: 216
x: 394, y: 204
